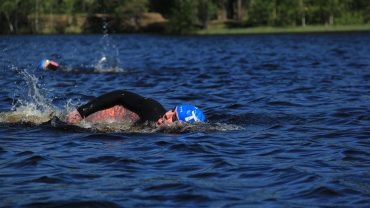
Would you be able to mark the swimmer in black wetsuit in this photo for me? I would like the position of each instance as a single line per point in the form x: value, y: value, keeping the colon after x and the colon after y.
x: 148, y: 110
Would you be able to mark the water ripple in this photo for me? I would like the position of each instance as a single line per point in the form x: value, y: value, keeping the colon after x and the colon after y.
x: 287, y: 122
x: 92, y: 204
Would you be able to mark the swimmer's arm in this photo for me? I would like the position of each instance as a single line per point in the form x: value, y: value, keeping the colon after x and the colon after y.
x: 127, y: 99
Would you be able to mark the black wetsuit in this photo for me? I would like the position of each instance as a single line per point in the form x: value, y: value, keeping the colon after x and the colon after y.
x: 147, y: 108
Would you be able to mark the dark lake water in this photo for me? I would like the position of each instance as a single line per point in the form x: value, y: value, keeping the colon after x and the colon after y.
x: 288, y: 122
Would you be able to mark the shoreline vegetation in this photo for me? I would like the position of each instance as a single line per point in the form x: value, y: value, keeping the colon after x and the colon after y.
x: 183, y: 17
x: 154, y: 23
x: 221, y: 30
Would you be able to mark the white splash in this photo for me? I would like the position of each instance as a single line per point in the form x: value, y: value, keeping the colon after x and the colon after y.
x: 108, y: 61
x: 32, y: 106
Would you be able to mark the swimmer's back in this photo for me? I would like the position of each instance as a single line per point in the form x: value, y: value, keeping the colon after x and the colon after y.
x: 116, y: 113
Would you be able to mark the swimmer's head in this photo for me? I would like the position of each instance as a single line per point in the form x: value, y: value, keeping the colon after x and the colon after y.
x: 43, y: 64
x: 189, y: 114
x: 182, y: 114
x: 46, y: 64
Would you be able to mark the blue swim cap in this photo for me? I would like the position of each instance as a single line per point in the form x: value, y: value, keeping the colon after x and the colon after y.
x: 42, y: 64
x: 190, y: 113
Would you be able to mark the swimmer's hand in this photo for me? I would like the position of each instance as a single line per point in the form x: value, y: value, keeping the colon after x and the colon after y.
x: 74, y: 117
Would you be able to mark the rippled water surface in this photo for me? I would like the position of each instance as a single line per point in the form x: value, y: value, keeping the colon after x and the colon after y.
x: 288, y: 122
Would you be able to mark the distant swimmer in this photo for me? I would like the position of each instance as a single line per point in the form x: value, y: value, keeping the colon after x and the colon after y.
x: 121, y: 104
x: 47, y: 64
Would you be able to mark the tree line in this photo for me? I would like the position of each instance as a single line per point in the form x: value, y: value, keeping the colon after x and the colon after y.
x: 181, y: 16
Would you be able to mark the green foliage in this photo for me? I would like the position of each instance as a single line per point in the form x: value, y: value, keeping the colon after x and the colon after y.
x: 350, y: 19
x: 13, y: 14
x: 261, y: 12
x: 162, y: 6
x: 287, y: 12
x: 83, y: 6
x: 206, y: 11
x: 365, y: 9
x: 128, y: 13
x: 212, y: 10
x: 183, y: 17
x: 8, y: 6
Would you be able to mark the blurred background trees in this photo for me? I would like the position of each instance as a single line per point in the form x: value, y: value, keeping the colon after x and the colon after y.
x: 173, y: 16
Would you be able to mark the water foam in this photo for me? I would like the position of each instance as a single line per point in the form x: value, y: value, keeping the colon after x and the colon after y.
x: 129, y: 127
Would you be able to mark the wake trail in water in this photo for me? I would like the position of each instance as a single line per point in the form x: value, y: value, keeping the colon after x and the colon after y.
x: 91, y: 70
